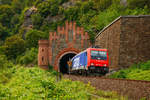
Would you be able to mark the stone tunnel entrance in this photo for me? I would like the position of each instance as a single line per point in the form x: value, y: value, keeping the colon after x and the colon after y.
x: 63, y: 67
x: 62, y: 44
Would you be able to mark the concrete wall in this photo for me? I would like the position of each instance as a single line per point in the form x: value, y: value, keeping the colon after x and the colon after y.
x: 110, y: 38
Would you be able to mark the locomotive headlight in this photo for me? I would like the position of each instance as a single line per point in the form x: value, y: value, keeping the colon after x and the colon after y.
x: 104, y: 65
x: 92, y: 64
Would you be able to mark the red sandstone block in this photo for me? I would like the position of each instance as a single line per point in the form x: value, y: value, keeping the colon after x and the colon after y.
x: 56, y: 37
x: 61, y: 30
x: 66, y: 31
x: 82, y: 43
x: 74, y: 31
x: 70, y: 26
x: 82, y: 33
x: 86, y: 36
x: 78, y: 31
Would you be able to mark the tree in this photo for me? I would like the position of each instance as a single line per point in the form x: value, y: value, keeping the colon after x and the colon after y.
x: 102, y: 4
x: 18, y: 5
x: 14, y: 46
x: 29, y: 57
x: 6, y: 14
x: 33, y: 36
x: 3, y: 32
x: 49, y: 7
x: 37, y: 20
x: 3, y: 61
x: 138, y: 3
x: 5, y: 1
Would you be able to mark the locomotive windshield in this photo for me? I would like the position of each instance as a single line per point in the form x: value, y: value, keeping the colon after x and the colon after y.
x: 98, y: 55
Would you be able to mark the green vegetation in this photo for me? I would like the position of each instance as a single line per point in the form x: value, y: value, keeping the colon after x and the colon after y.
x: 32, y: 37
x: 14, y: 46
x: 16, y: 16
x: 30, y: 57
x: 137, y: 72
x: 24, y: 22
x: 33, y: 83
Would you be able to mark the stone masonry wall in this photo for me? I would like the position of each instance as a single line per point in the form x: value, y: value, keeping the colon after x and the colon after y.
x: 127, y: 39
x: 134, y: 40
x: 110, y: 39
x: 43, y: 53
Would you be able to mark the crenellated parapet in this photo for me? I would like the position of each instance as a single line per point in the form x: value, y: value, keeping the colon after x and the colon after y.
x: 69, y: 28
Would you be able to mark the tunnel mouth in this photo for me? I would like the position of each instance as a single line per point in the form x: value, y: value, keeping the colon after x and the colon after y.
x: 63, y: 67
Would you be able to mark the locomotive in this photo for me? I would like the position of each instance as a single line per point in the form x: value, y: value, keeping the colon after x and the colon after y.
x: 91, y: 60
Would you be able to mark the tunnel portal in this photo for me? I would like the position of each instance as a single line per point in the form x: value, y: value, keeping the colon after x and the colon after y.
x: 63, y: 67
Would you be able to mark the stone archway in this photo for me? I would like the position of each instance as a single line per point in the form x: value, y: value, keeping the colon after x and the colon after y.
x: 62, y: 63
x: 62, y: 54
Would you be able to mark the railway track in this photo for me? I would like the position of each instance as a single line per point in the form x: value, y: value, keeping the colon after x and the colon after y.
x: 134, y: 89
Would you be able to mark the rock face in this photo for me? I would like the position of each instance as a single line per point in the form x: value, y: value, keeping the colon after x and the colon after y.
x: 27, y: 16
x: 51, y: 19
x: 67, y: 41
x: 68, y: 4
x: 123, y: 2
x: 27, y: 24
x: 127, y: 39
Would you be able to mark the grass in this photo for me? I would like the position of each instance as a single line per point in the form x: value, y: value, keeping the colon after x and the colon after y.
x: 139, y: 71
x: 20, y: 83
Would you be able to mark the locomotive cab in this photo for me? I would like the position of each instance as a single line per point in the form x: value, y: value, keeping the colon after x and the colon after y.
x: 98, y: 61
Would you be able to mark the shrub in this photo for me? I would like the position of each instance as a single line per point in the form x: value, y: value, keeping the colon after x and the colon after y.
x: 4, y: 65
x: 138, y: 3
x: 120, y: 74
x: 46, y: 27
x: 4, y: 32
x: 18, y: 5
x: 2, y: 50
x: 32, y: 37
x: 6, y: 14
x: 137, y: 11
x: 14, y: 46
x: 72, y: 13
x: 29, y: 2
x: 29, y: 57
x: 139, y: 74
x: 104, y: 18
x: 37, y: 20
x: 5, y: 2
x: 49, y: 7
x: 14, y: 20
x: 85, y: 6
x: 145, y: 66
x: 3, y: 61
x: 102, y: 4
x: 136, y: 71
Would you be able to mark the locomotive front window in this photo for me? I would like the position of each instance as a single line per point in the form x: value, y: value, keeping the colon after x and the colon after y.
x: 98, y: 55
